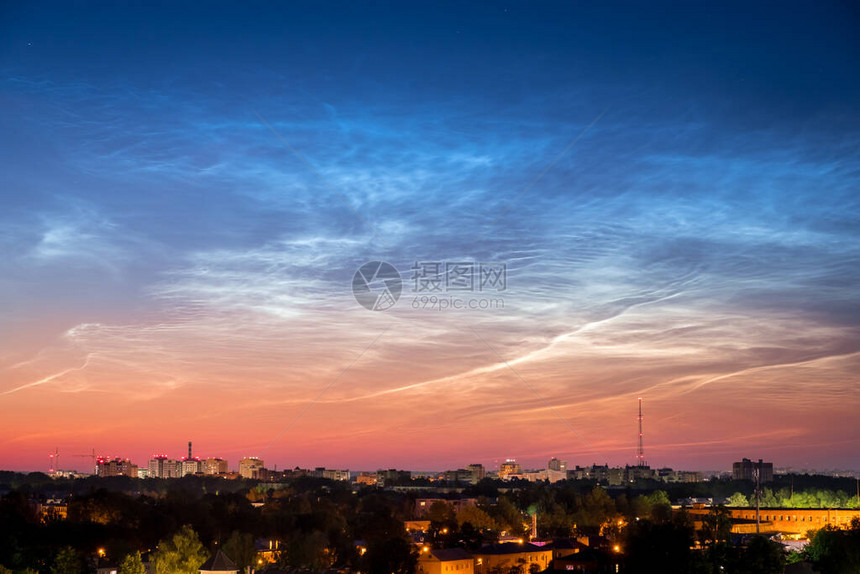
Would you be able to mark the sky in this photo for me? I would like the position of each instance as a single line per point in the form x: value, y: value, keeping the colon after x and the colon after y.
x: 669, y: 193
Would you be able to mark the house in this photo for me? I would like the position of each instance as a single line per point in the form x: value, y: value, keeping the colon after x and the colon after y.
x: 565, y: 547
x: 445, y: 561
x: 510, y: 554
x: 219, y: 562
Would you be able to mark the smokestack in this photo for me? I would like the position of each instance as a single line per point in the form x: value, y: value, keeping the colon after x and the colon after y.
x: 189, y: 450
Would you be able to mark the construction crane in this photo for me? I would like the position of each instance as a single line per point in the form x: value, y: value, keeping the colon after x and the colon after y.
x: 92, y: 457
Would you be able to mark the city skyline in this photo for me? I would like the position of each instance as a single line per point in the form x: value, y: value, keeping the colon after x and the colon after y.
x: 655, y: 202
x: 500, y: 469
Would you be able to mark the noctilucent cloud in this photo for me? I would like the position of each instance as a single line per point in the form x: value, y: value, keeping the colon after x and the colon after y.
x: 188, y: 190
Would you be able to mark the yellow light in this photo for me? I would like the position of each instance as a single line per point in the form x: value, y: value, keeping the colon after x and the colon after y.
x: 520, y: 540
x: 444, y: 531
x: 617, y: 548
x: 101, y: 551
x: 425, y: 549
x: 259, y: 561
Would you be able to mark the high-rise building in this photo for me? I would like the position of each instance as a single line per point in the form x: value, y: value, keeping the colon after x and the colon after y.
x: 556, y: 464
x: 251, y: 467
x: 191, y: 466
x: 472, y: 474
x: 745, y: 470
x: 461, y: 475
x: 639, y: 472
x: 478, y: 472
x: 116, y: 467
x: 214, y: 465
x: 160, y: 466
x: 393, y: 476
x: 333, y: 474
x: 368, y: 478
x: 509, y: 467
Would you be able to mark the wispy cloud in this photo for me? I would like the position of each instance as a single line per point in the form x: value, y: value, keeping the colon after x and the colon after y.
x: 669, y: 255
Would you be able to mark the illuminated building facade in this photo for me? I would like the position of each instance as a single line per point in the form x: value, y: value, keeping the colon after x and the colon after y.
x: 509, y: 467
x: 214, y: 465
x: 445, y: 561
x: 507, y: 555
x: 791, y: 521
x: 251, y: 467
x: 160, y: 466
x: 116, y: 467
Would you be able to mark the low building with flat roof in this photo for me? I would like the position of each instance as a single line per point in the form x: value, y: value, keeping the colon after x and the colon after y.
x: 791, y: 521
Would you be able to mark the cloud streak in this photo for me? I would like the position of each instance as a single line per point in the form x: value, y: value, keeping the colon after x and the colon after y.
x: 169, y: 258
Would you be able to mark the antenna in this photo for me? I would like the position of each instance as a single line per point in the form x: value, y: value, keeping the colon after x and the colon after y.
x: 640, y: 455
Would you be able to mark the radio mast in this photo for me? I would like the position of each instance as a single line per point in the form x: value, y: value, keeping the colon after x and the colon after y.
x: 640, y: 455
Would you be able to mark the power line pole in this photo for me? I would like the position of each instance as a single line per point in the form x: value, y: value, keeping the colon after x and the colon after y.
x: 757, y: 476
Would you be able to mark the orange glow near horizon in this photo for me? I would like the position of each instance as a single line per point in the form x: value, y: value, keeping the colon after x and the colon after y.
x: 416, y: 402
x: 209, y: 244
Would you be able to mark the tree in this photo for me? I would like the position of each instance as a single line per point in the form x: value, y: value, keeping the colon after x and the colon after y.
x: 661, y: 507
x: 835, y: 551
x: 392, y: 556
x: 668, y: 545
x: 762, y: 556
x: 597, y: 508
x: 738, y: 499
x: 240, y: 548
x: 518, y: 568
x: 440, y: 512
x: 67, y: 561
x: 4, y: 570
x: 508, y: 516
x: 471, y: 538
x: 132, y: 564
x: 717, y: 525
x: 181, y: 554
x: 639, y: 507
x: 476, y: 517
x: 309, y: 550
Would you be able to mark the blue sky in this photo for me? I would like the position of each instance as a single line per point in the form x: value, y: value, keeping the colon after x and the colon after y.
x: 188, y: 191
